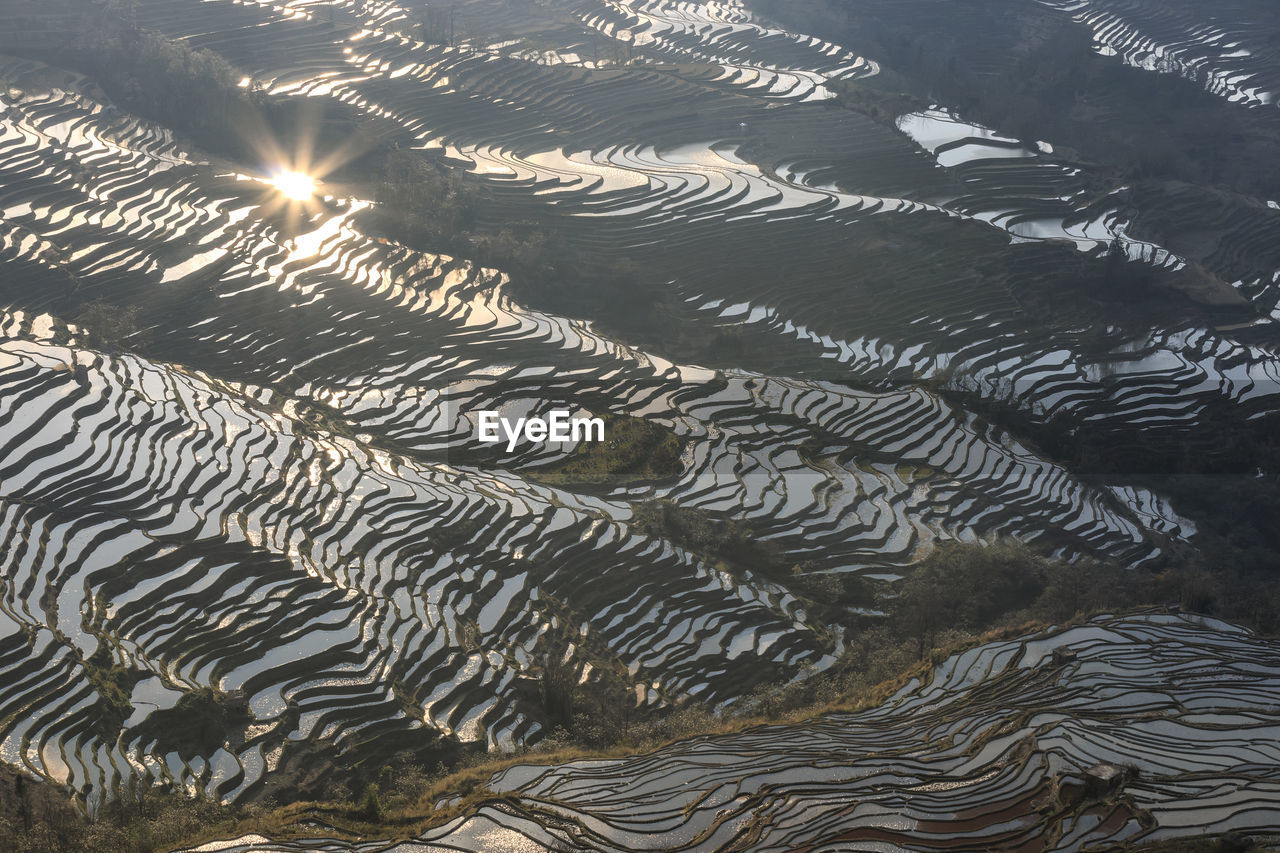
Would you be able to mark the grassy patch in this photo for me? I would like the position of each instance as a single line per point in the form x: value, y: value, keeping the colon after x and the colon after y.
x: 106, y: 326
x: 634, y: 450
x: 725, y: 542
x: 199, y: 722
x: 1229, y: 843
x: 114, y: 684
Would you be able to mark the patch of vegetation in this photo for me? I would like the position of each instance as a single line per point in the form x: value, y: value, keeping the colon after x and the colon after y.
x: 199, y: 722
x: 963, y: 595
x: 732, y: 546
x: 1238, y: 526
x: 584, y: 690
x: 422, y: 202
x: 113, y: 681
x: 955, y: 595
x: 634, y: 450
x: 35, y: 816
x: 965, y: 590
x: 108, y: 327
x: 1223, y: 473
x: 371, y: 804
x: 726, y: 543
x: 1229, y: 843
x: 319, y: 770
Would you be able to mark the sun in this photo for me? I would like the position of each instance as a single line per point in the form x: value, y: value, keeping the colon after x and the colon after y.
x: 295, y: 185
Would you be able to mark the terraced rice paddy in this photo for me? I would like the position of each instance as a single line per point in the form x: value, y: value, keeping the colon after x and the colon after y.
x: 1217, y: 48
x: 993, y: 751
x: 656, y: 157
x: 280, y: 493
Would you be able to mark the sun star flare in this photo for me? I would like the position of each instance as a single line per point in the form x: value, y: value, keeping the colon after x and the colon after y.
x: 294, y: 185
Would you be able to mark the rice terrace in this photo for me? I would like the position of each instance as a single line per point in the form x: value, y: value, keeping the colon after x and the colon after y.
x: 639, y: 425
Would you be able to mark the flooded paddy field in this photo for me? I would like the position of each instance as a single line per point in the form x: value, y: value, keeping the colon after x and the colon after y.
x: 239, y: 462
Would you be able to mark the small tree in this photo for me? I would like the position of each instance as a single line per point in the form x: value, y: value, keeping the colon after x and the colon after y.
x: 371, y: 804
